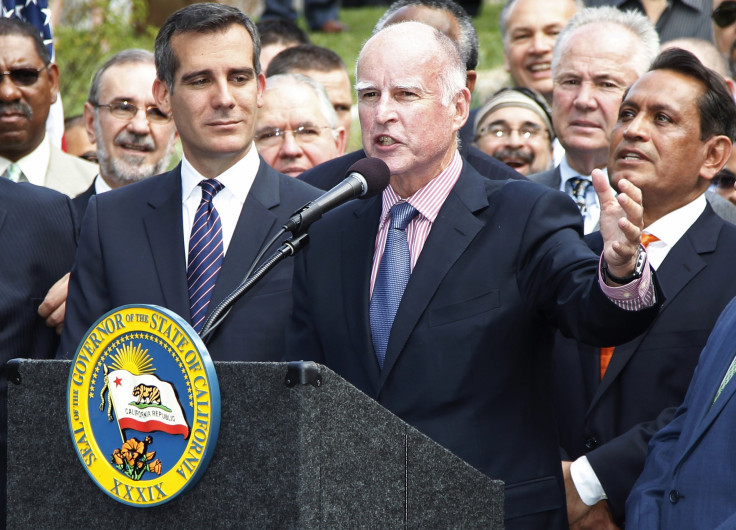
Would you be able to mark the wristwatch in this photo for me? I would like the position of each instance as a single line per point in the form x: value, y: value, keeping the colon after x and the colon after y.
x: 641, y: 259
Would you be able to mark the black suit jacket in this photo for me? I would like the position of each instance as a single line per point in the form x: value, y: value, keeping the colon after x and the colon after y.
x: 329, y: 174
x: 468, y: 357
x: 38, y: 237
x: 612, y: 420
x: 132, y: 251
x: 80, y: 201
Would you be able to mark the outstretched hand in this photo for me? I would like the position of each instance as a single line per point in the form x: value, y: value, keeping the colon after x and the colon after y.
x: 622, y: 220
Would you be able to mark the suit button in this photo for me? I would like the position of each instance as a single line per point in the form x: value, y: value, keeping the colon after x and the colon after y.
x: 592, y: 443
x: 675, y: 496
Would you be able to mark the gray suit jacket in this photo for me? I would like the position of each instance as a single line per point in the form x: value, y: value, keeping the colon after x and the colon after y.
x: 69, y: 174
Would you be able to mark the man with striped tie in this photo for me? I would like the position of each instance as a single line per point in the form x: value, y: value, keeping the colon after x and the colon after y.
x: 184, y: 239
x: 670, y: 144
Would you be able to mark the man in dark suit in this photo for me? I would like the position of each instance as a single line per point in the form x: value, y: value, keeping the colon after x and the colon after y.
x: 489, y: 269
x: 688, y: 479
x: 670, y: 144
x: 133, y: 141
x: 597, y: 56
x: 449, y: 18
x: 37, y: 243
x: 135, y: 240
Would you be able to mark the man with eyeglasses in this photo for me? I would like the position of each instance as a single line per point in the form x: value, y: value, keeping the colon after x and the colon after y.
x: 29, y: 84
x: 515, y: 127
x: 185, y: 239
x: 296, y: 128
x: 134, y: 141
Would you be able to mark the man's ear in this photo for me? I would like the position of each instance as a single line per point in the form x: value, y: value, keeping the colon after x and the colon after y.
x: 53, y: 72
x: 340, y: 140
x: 89, y: 122
x: 718, y: 152
x: 162, y: 95
x: 472, y: 77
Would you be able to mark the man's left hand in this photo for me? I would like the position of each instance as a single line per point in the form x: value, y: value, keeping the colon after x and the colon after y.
x: 622, y: 220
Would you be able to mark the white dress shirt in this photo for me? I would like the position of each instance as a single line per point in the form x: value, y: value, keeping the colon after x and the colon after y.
x: 34, y: 165
x: 669, y: 229
x: 229, y: 202
x: 593, y: 206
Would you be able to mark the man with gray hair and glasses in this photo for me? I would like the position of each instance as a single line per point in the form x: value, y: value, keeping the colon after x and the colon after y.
x: 296, y: 128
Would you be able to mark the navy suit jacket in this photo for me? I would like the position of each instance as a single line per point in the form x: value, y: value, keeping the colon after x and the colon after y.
x: 131, y: 251
x: 81, y: 201
x: 38, y: 237
x: 329, y: 174
x: 468, y: 357
x: 611, y: 420
x: 688, y: 479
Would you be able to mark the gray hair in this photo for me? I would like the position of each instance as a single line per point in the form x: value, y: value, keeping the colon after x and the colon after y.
x: 199, y: 18
x: 129, y: 56
x: 503, y: 19
x: 468, y: 39
x: 634, y: 22
x: 452, y: 78
x: 325, y: 106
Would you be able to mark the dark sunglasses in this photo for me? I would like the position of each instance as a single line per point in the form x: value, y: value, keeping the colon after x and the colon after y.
x: 22, y: 76
x: 724, y: 180
x: 725, y: 14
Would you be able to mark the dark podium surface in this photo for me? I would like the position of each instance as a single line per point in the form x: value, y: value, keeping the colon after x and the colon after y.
x: 311, y: 455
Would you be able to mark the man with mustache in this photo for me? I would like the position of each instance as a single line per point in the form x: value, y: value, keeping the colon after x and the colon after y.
x: 134, y: 139
x: 29, y: 84
x: 515, y: 127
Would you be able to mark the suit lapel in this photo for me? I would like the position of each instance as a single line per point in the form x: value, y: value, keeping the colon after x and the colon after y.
x: 682, y: 264
x: 163, y: 225
x: 453, y: 230
x: 358, y: 243
x: 255, y: 224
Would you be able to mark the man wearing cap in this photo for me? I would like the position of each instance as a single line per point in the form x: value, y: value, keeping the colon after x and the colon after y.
x: 515, y: 127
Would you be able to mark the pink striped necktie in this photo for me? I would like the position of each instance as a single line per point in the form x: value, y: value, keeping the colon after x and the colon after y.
x: 205, y: 253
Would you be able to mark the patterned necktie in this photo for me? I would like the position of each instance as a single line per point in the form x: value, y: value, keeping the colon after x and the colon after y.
x: 393, y: 275
x: 205, y: 253
x: 606, y: 353
x: 15, y: 173
x: 578, y: 187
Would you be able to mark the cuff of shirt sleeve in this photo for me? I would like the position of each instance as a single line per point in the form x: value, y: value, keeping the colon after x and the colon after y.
x: 586, y: 482
x: 634, y: 296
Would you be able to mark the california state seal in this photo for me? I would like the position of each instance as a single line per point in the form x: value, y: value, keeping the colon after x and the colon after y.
x: 144, y: 405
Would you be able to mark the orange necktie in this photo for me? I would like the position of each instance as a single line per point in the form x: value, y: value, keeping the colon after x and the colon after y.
x: 606, y: 353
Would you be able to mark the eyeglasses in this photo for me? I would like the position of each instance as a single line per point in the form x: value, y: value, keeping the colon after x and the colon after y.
x: 725, y: 14
x: 127, y: 111
x: 22, y: 76
x: 724, y: 180
x: 304, y: 134
x: 502, y: 131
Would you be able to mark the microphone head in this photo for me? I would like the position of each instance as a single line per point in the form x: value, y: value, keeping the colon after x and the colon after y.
x: 375, y: 172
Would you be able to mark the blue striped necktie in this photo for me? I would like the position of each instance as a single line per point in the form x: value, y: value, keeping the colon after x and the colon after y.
x: 393, y: 275
x: 205, y: 253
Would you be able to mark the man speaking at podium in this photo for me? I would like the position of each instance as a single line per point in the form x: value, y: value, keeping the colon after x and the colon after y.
x: 184, y: 239
x: 488, y: 270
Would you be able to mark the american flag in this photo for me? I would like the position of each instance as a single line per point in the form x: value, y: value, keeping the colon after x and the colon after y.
x: 35, y: 12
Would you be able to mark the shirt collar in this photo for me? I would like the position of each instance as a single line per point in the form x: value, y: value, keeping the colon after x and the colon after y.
x: 429, y: 199
x: 237, y: 179
x: 100, y: 185
x: 566, y: 173
x: 34, y: 165
x: 671, y: 227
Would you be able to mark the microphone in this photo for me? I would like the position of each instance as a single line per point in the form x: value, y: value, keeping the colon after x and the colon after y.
x: 366, y: 178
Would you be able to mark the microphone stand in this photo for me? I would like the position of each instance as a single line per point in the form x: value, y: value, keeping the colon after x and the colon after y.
x: 288, y: 248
